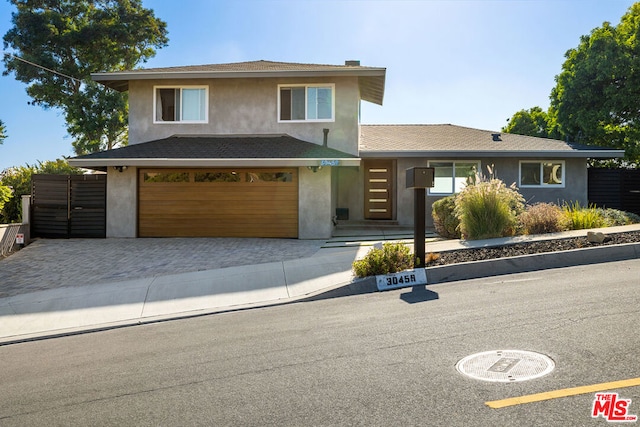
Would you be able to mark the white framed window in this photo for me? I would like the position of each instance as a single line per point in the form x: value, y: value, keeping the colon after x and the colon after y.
x: 306, y: 103
x: 451, y: 176
x: 542, y: 173
x: 184, y: 104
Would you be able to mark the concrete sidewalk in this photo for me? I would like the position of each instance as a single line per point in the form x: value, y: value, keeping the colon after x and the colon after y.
x: 96, y: 302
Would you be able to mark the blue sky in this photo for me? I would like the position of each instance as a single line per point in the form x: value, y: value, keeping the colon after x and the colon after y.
x: 465, y: 62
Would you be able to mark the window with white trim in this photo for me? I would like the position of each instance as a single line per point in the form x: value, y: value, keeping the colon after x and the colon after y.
x: 542, y: 173
x: 185, y: 104
x: 452, y: 176
x: 304, y: 103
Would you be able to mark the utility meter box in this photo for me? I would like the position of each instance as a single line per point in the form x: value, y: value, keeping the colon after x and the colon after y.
x: 420, y: 177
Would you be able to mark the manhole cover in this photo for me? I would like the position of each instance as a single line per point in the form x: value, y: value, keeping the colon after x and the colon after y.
x: 505, y: 365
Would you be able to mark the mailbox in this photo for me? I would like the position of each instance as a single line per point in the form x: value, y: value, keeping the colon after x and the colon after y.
x: 420, y: 177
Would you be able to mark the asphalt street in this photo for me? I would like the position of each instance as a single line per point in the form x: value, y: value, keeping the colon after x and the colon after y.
x: 376, y: 359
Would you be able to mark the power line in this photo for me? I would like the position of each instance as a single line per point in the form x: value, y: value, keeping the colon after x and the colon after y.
x: 43, y: 67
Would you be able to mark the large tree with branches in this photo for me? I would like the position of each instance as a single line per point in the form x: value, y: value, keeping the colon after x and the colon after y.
x: 57, y: 44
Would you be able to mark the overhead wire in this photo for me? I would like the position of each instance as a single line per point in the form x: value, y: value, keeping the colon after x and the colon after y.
x: 43, y: 67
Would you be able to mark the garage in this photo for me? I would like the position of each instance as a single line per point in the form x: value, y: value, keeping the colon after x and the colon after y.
x: 216, y: 202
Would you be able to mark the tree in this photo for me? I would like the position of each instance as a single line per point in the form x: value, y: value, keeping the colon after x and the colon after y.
x: 69, y: 40
x: 533, y: 122
x: 18, y: 180
x: 596, y: 94
x: 3, y: 132
x: 5, y: 196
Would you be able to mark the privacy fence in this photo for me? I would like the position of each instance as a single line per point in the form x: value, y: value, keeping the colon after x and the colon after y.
x: 66, y: 206
x: 615, y: 188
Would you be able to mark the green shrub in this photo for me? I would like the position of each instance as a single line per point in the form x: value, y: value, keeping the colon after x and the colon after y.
x: 391, y: 258
x: 543, y: 218
x: 444, y: 219
x: 615, y: 217
x: 581, y: 218
x: 488, y: 209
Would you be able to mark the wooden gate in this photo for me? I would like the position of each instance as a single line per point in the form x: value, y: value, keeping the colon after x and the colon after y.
x: 378, y: 189
x: 66, y: 206
x: 615, y: 188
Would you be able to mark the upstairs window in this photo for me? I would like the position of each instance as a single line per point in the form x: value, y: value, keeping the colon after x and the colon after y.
x: 180, y: 104
x: 306, y: 103
x: 547, y: 173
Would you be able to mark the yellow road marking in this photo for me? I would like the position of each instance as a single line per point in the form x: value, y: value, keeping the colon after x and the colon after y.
x: 538, y: 397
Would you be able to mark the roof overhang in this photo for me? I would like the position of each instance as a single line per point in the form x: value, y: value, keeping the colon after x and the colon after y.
x: 212, y: 163
x: 371, y: 80
x: 591, y: 154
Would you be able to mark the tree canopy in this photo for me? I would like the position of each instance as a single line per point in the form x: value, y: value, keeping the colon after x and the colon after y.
x: 57, y: 44
x: 533, y: 122
x: 595, y: 100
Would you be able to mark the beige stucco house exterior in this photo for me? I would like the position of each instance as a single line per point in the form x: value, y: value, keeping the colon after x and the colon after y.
x: 272, y: 149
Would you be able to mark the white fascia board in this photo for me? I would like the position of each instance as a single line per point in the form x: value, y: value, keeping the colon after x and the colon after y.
x: 592, y: 154
x: 197, y: 163
x: 160, y: 75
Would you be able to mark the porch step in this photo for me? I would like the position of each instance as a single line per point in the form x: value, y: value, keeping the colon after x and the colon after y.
x: 363, y: 224
x: 354, y: 231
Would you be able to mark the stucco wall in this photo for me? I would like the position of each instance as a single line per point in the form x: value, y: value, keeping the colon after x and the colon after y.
x: 351, y: 186
x: 507, y: 170
x: 314, y: 214
x: 248, y: 107
x: 122, y: 203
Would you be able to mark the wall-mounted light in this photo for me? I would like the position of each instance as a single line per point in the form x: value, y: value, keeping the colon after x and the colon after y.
x: 120, y: 168
x: 314, y: 169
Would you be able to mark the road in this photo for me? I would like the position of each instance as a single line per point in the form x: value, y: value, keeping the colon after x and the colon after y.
x: 377, y: 359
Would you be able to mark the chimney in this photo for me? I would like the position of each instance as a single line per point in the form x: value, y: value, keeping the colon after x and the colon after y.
x: 326, y: 137
x: 352, y: 62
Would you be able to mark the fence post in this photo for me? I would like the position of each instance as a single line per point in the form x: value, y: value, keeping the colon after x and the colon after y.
x: 26, y: 218
x: 26, y: 209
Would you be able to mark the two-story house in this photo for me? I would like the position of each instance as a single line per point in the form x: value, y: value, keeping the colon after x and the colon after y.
x: 272, y: 149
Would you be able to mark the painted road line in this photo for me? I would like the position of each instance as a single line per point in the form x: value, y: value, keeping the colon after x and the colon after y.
x: 538, y: 397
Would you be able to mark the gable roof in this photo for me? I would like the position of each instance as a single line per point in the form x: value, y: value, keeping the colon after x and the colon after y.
x: 371, y: 79
x: 449, y: 141
x: 217, y: 151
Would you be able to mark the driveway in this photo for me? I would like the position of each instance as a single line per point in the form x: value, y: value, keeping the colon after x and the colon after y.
x: 47, y: 264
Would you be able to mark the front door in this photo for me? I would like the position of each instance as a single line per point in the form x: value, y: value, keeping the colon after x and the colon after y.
x: 378, y: 189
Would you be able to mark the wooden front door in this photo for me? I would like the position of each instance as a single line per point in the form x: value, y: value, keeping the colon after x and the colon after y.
x: 378, y: 189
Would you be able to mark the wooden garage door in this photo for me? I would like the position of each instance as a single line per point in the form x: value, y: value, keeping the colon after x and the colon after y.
x: 218, y: 203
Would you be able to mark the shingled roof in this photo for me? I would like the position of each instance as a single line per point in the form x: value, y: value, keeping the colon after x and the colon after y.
x: 204, y: 151
x: 445, y: 140
x: 371, y: 79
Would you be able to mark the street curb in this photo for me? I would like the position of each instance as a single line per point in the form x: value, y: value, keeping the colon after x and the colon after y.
x: 502, y: 266
x: 535, y: 262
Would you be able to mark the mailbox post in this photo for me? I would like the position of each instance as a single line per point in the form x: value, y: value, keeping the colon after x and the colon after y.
x: 419, y: 178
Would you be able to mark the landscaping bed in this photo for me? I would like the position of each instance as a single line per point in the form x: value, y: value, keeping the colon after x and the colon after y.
x: 529, y: 248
